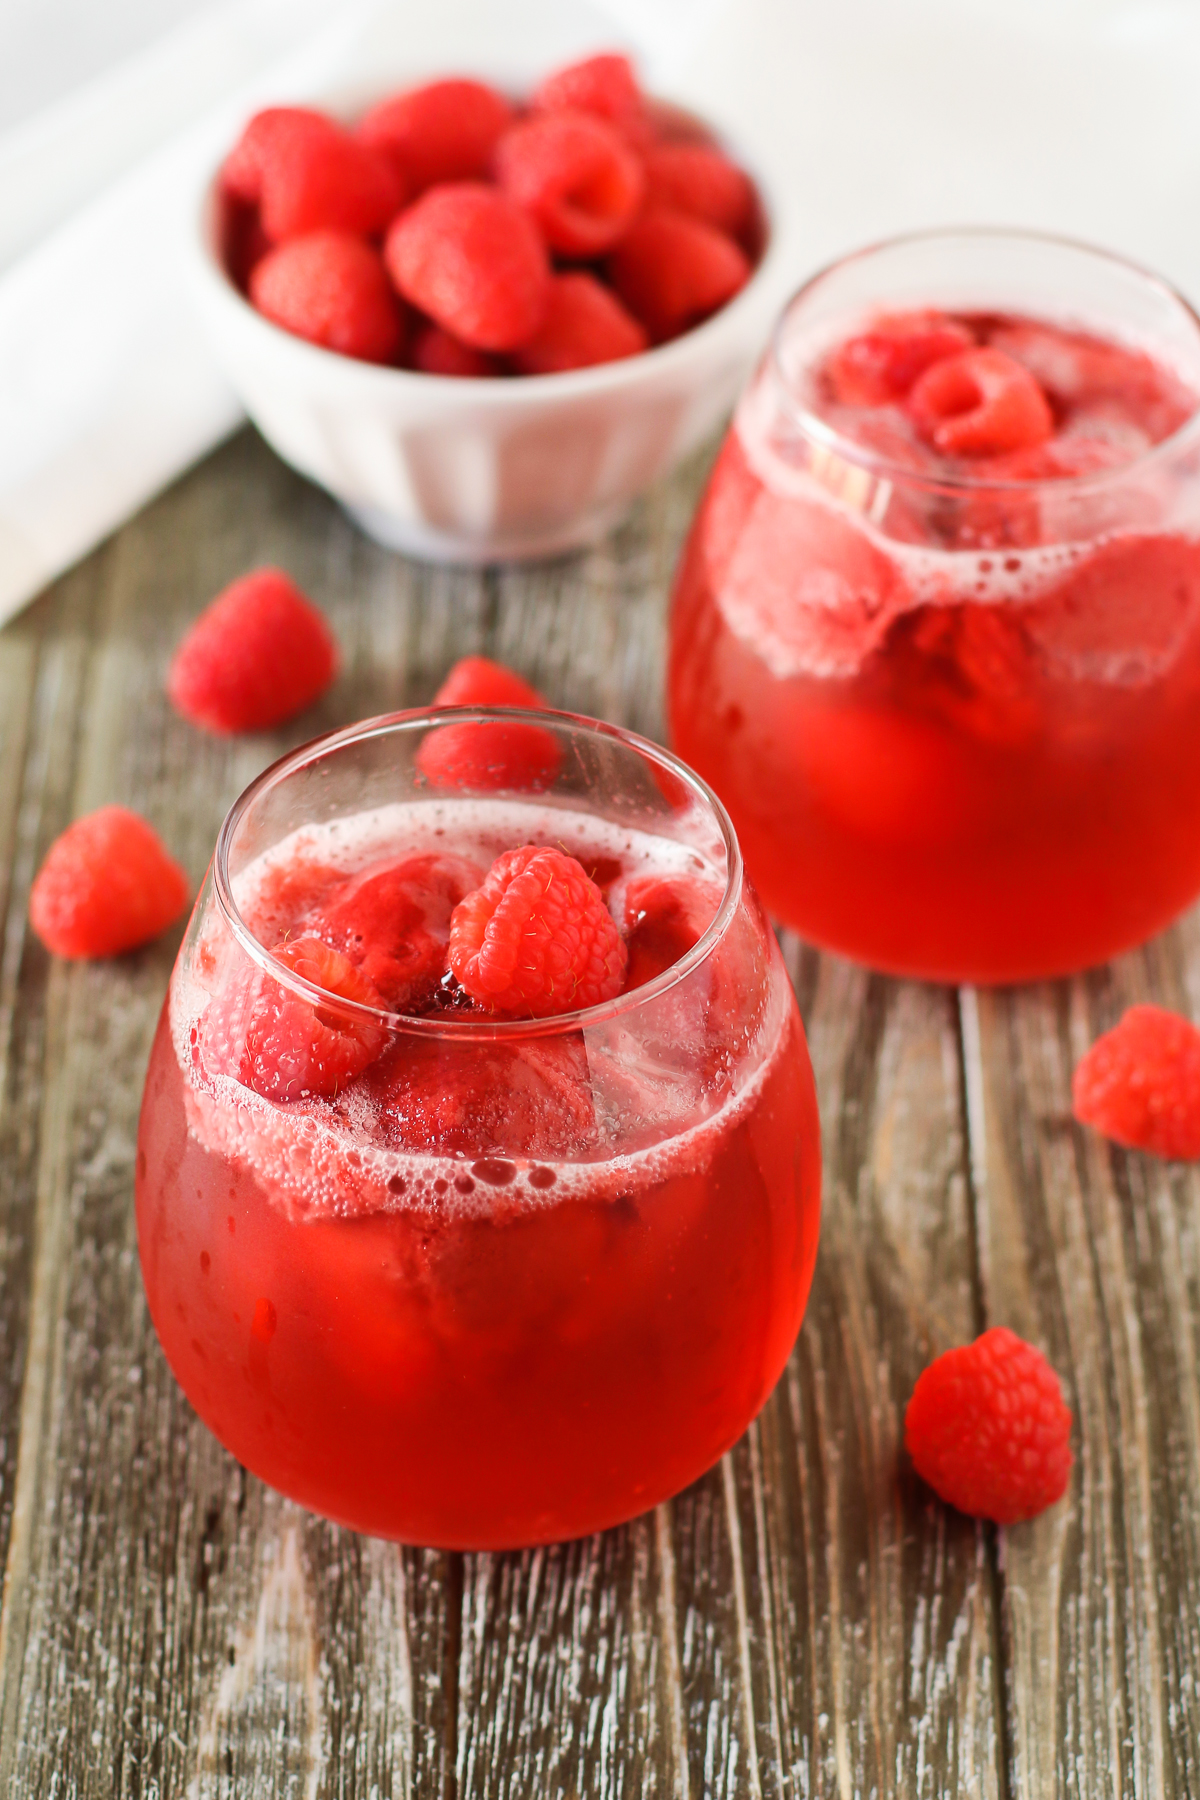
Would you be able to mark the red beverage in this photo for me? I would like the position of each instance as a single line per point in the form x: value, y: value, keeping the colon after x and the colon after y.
x: 936, y: 632
x: 497, y: 1282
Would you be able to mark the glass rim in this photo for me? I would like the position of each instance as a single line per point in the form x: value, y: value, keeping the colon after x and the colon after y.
x: 829, y: 439
x: 474, y: 1029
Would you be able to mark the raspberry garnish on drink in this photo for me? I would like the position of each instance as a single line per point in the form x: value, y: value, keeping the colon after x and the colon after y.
x: 492, y: 1097
x: 936, y: 634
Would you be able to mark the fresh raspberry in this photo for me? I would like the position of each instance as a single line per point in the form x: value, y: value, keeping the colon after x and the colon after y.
x: 478, y: 681
x: 585, y: 324
x: 672, y: 271
x: 976, y: 666
x: 536, y: 939
x: 697, y: 180
x: 605, y: 85
x: 332, y: 289
x: 979, y: 403
x: 473, y: 260
x: 576, y: 176
x: 882, y: 364
x: 988, y: 1429
x: 259, y: 653
x: 444, y: 131
x: 665, y: 917
x: 392, y: 922
x: 435, y: 352
x: 489, y: 754
x: 308, y: 173
x: 489, y: 1100
x: 1140, y: 1084
x: 106, y: 885
x: 281, y: 1044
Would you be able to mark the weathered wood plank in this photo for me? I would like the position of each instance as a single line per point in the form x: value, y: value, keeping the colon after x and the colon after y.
x: 170, y: 1626
x: 1093, y: 1253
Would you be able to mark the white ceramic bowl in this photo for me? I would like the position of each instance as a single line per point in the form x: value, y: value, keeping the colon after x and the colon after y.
x: 480, y: 470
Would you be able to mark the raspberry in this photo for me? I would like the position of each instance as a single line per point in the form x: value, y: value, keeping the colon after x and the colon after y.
x: 697, y: 180
x: 472, y: 259
x: 531, y: 1099
x: 988, y: 1429
x: 478, y: 681
x: 980, y: 403
x: 106, y: 885
x: 1140, y: 1084
x: 444, y: 131
x: 308, y: 173
x: 435, y: 352
x: 259, y: 653
x: 492, y: 754
x: 976, y: 666
x: 881, y: 364
x: 536, y: 939
x: 672, y: 271
x: 664, y: 918
x: 393, y: 923
x: 585, y: 324
x: 332, y: 289
x: 278, y: 1042
x: 605, y: 85
x: 577, y: 178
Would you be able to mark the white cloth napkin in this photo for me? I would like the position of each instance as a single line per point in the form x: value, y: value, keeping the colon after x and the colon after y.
x: 1068, y: 115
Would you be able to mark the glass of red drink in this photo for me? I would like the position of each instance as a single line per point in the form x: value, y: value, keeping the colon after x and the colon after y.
x: 936, y: 633
x: 448, y: 1277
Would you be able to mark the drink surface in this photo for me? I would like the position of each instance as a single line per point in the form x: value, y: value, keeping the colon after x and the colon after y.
x: 951, y: 700
x: 487, y: 1292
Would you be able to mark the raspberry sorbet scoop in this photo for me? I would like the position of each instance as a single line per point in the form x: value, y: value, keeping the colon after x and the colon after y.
x: 536, y: 939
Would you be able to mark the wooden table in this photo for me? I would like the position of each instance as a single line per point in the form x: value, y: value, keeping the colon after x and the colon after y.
x: 806, y: 1621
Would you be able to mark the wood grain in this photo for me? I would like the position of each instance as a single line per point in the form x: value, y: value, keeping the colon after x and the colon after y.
x: 804, y: 1621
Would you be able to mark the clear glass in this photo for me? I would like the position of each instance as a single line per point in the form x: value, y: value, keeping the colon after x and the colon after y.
x: 955, y: 717
x: 490, y: 1283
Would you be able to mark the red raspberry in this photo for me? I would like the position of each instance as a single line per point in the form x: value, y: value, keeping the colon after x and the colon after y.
x: 495, y: 754
x: 536, y: 939
x: 478, y: 681
x: 493, y: 1100
x: 1140, y: 1084
x: 332, y: 289
x: 259, y: 653
x: 979, y: 403
x: 444, y: 131
x: 672, y: 272
x: 577, y: 178
x: 585, y: 324
x: 988, y: 1429
x: 881, y: 364
x: 605, y: 85
x: 472, y: 259
x: 696, y: 179
x: 665, y: 917
x: 308, y: 173
x: 106, y: 885
x: 393, y: 923
x: 280, y: 1044
x: 435, y: 352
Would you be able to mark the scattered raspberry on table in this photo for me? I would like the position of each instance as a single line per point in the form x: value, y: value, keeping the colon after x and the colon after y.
x: 106, y: 885
x: 536, y: 939
x: 258, y: 654
x: 987, y: 1427
x: 1140, y: 1084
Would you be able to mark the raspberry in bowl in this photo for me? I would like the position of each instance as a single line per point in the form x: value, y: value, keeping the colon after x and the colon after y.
x: 936, y: 633
x: 486, y: 320
x: 478, y: 1181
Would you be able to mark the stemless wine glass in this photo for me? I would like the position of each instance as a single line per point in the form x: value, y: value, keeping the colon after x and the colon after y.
x: 449, y: 1278
x: 954, y: 710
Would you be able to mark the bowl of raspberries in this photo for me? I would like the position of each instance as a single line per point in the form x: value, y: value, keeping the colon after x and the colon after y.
x: 485, y: 321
